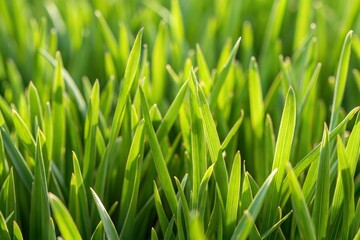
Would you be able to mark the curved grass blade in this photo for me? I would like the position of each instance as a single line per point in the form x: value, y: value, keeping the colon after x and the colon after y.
x: 246, y: 222
x: 91, y: 123
x: 109, y: 227
x: 322, y: 196
x: 158, y: 157
x: 108, y: 35
x: 17, y: 159
x: 129, y: 76
x: 232, y: 131
x: 4, y: 232
x: 17, y: 235
x: 340, y: 80
x: 232, y: 200
x: 221, y: 75
x: 301, y: 211
x: 63, y: 219
x: 98, y: 233
x: 40, y: 208
x: 70, y: 83
x: 282, y: 155
x: 23, y: 132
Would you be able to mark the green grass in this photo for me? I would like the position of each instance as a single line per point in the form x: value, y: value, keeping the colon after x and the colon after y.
x: 179, y: 119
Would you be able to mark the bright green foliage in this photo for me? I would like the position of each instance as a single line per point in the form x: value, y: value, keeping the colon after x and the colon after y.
x: 179, y: 119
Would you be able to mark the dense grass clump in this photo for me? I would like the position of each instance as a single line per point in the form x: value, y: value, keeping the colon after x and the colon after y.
x: 179, y: 119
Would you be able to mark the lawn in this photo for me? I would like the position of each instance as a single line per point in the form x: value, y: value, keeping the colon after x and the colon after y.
x: 155, y: 119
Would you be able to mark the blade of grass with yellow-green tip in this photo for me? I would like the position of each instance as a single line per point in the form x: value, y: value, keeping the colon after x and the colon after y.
x: 128, y: 187
x: 64, y: 221
x: 306, y: 161
x: 82, y: 217
x: 153, y: 234
x: 23, y: 132
x: 282, y: 155
x: 35, y: 108
x: 109, y: 226
x: 108, y: 35
x: 129, y: 76
x: 221, y: 75
x: 4, y: 232
x: 340, y: 80
x: 8, y: 200
x: 158, y: 157
x: 233, y: 197
x: 98, y: 233
x: 213, y: 141
x: 321, y: 202
x: 91, y: 123
x: 244, y: 226
x: 17, y: 235
x: 70, y: 83
x: 58, y: 111
x: 158, y: 63
x: 17, y: 160
x: 301, y: 212
x: 40, y: 208
x: 256, y: 99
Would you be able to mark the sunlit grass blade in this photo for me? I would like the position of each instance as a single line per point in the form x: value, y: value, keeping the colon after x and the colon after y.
x: 98, y: 233
x: 70, y: 83
x: 35, y: 107
x: 158, y: 63
x: 23, y: 131
x: 58, y: 110
x: 204, y: 72
x: 129, y: 76
x: 243, y: 228
x: 184, y: 204
x: 63, y: 219
x: 321, y: 203
x: 82, y: 217
x: 91, y: 123
x: 40, y: 208
x: 4, y: 232
x: 256, y: 99
x: 221, y: 76
x: 232, y: 200
x: 17, y: 159
x: 109, y: 227
x: 213, y: 142
x: 282, y: 154
x: 158, y: 157
x: 108, y: 35
x: 301, y: 212
x: 17, y: 235
x: 164, y: 222
x: 233, y: 131
x: 340, y: 80
x: 130, y: 171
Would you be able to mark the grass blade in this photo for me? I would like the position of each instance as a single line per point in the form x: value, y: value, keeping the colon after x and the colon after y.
x: 17, y: 159
x: 109, y: 227
x: 301, y: 211
x: 158, y: 157
x: 340, y: 80
x: 321, y: 202
x: 243, y: 228
x: 232, y: 200
x: 63, y: 219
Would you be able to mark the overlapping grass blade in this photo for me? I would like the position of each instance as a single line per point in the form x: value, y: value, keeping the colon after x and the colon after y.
x: 17, y: 160
x: 40, y: 208
x: 301, y: 212
x: 91, y: 123
x: 340, y: 80
x: 243, y: 228
x: 129, y: 76
x: 282, y: 155
x: 64, y: 221
x: 232, y: 200
x: 4, y: 232
x: 158, y: 157
x: 321, y: 202
x: 17, y: 235
x: 109, y: 226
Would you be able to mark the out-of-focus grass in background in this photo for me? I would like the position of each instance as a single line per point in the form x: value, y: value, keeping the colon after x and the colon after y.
x: 155, y: 119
